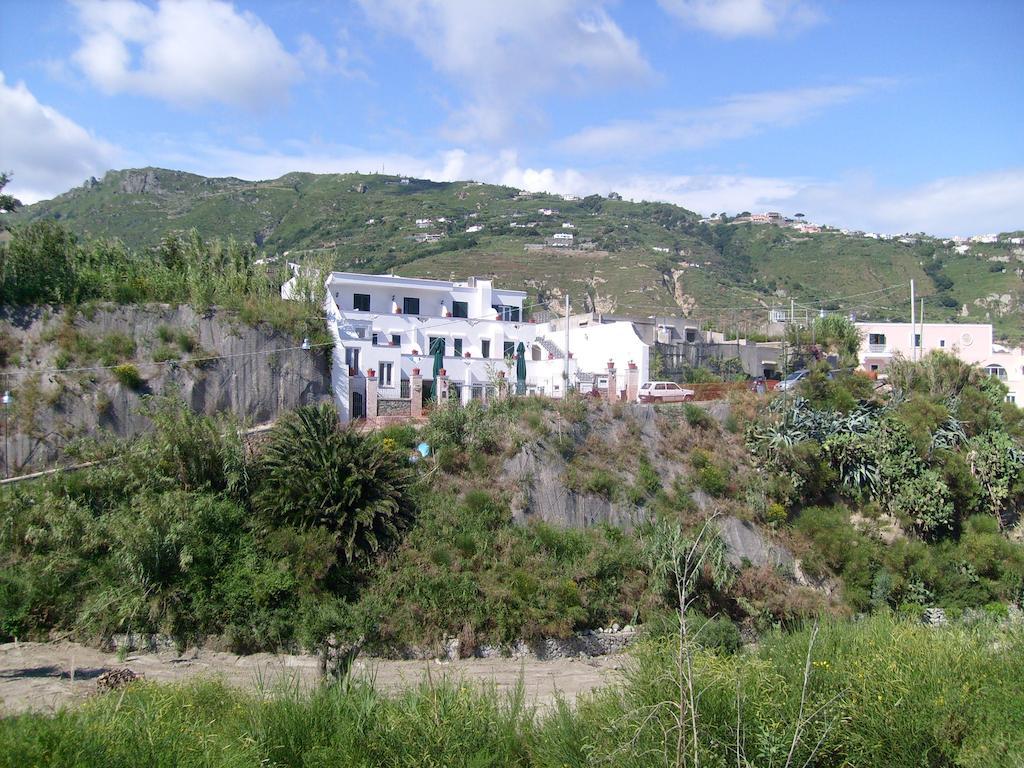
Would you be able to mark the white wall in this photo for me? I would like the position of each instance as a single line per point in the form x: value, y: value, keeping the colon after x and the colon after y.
x: 593, y: 346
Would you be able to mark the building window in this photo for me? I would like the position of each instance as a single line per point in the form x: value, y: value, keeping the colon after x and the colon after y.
x: 386, y: 372
x: 435, y: 342
x: 361, y: 302
x: 1011, y: 399
x: 458, y: 347
x: 691, y: 335
x: 375, y: 339
x: 917, y: 339
x: 876, y: 339
x: 506, y: 313
x: 410, y: 306
x: 942, y: 343
x: 509, y: 349
x: 352, y: 358
x: 396, y: 340
x: 485, y: 348
x: 996, y: 371
x: 460, y: 309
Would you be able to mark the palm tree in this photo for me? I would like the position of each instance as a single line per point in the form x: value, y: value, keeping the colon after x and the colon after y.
x: 317, y: 474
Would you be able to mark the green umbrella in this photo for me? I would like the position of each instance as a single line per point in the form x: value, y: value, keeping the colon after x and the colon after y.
x: 520, y: 369
x: 437, y: 350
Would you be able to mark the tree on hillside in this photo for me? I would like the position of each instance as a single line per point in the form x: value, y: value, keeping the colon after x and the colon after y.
x: 37, y: 266
x: 8, y: 203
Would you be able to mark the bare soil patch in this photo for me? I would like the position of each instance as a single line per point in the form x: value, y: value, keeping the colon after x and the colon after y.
x: 44, y: 677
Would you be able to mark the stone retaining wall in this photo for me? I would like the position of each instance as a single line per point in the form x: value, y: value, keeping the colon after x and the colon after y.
x: 590, y: 642
x: 394, y: 407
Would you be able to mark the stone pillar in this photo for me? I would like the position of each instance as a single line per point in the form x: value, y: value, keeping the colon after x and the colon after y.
x: 441, y: 387
x: 632, y: 382
x: 371, y: 395
x: 416, y: 394
x: 502, y: 385
x: 613, y: 386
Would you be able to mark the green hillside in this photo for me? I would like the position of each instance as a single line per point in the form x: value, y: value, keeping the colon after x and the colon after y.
x: 636, y: 258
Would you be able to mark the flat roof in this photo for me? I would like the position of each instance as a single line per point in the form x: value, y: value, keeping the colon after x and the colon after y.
x: 412, y: 282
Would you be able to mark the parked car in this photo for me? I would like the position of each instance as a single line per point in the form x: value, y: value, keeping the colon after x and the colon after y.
x: 791, y: 381
x: 663, y: 392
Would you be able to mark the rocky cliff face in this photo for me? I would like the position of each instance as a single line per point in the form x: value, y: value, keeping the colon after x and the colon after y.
x: 62, y: 390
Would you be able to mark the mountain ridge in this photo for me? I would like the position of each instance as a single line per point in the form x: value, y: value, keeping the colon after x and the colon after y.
x: 625, y: 257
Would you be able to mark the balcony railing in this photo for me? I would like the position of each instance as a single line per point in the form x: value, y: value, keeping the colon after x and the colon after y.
x: 876, y: 347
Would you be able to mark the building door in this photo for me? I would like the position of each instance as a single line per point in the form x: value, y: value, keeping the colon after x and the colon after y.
x: 358, y: 406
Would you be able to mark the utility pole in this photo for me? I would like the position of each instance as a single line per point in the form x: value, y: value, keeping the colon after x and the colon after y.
x: 565, y: 392
x: 922, y: 327
x: 913, y: 324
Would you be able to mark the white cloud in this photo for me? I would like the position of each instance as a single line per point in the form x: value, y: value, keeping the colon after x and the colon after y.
x: 504, y: 55
x: 973, y: 204
x: 745, y: 18
x: 186, y: 52
x: 736, y: 117
x: 47, y: 152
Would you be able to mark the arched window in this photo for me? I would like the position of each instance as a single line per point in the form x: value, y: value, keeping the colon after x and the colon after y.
x: 996, y: 370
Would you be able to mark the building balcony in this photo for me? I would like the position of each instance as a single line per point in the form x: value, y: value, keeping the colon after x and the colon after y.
x: 876, y: 348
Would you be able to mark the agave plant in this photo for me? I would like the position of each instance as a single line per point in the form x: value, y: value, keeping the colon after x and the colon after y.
x: 316, y: 474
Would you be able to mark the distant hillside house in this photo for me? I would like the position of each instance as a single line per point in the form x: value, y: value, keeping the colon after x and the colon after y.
x: 560, y: 240
x: 972, y: 343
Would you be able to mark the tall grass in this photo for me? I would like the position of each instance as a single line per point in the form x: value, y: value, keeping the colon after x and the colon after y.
x: 879, y: 692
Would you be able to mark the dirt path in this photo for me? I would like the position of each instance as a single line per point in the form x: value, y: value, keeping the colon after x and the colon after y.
x: 44, y: 677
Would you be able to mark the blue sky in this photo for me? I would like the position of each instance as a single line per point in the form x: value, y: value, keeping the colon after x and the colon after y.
x: 887, y: 116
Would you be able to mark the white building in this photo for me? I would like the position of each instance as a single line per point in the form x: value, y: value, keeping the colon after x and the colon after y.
x: 388, y: 325
x: 972, y: 343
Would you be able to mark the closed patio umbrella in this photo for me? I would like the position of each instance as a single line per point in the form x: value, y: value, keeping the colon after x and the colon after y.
x: 437, y: 350
x: 520, y: 369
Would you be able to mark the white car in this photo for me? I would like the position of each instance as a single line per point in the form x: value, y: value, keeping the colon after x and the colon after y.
x: 663, y: 392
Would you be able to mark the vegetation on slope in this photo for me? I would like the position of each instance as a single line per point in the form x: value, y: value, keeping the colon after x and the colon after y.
x: 324, y: 530
x: 366, y: 222
x: 44, y: 263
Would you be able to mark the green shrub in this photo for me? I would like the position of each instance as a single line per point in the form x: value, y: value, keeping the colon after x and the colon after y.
x: 600, y: 482
x: 115, y: 348
x: 697, y: 417
x: 164, y: 353
x: 186, y: 341
x: 775, y: 514
x: 128, y: 376
x: 713, y: 480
